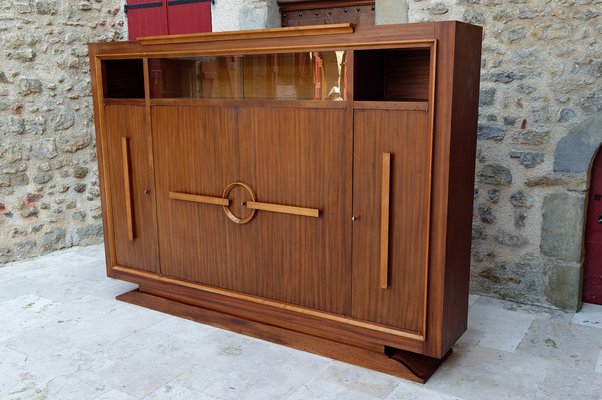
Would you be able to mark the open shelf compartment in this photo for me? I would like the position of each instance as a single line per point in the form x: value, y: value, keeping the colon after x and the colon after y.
x: 123, y: 79
x: 392, y: 75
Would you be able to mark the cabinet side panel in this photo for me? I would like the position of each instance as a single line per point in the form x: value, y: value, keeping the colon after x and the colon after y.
x: 467, y: 62
x: 96, y: 76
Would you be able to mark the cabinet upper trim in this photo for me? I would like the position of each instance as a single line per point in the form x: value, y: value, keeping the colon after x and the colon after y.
x: 311, y: 30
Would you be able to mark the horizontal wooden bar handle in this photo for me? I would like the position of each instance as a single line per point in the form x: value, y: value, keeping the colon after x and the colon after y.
x: 127, y: 181
x: 217, y: 201
x: 384, y: 221
x: 277, y: 208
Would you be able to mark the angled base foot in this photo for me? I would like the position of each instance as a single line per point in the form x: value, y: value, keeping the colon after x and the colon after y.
x: 411, y: 366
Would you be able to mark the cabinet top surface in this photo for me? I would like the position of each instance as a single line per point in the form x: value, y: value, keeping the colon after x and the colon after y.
x: 277, y: 39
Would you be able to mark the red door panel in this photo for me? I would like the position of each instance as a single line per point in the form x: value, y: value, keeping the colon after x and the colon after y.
x: 167, y: 17
x: 146, y: 18
x: 186, y: 16
x: 592, y: 275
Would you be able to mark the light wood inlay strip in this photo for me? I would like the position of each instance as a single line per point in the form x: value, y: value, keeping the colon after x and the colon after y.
x: 384, y: 221
x: 277, y: 208
x: 391, y: 105
x: 394, y: 44
x: 432, y: 98
x: 313, y: 30
x: 195, y: 198
x: 127, y: 180
x: 272, y: 303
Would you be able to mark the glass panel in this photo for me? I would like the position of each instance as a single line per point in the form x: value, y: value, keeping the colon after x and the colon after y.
x: 294, y: 76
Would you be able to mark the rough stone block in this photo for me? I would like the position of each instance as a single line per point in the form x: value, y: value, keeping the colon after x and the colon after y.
x: 19, y: 180
x: 42, y: 178
x: 478, y: 232
x: 506, y: 77
x: 54, y: 239
x: 490, y: 132
x: 519, y: 220
x: 46, y: 149
x: 30, y: 212
x: 575, y: 151
x: 15, y: 125
x: 485, y: 214
x: 63, y: 121
x: 487, y: 96
x: 90, y: 231
x: 494, y: 174
x: 591, y: 103
x: 532, y: 137
x: 573, y: 182
x: 25, y: 246
x: 29, y: 86
x: 494, y: 195
x: 563, y: 287
x: 80, y: 188
x: 510, y: 239
x: 516, y: 34
x: 79, y: 216
x: 528, y: 159
x: 46, y: 7
x: 562, y: 228
x: 80, y: 172
x: 520, y: 200
x: 391, y: 12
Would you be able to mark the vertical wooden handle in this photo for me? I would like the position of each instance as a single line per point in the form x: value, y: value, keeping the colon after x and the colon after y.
x: 384, y: 221
x: 127, y: 180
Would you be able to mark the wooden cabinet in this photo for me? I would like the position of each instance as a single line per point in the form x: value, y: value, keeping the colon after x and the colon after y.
x: 311, y: 186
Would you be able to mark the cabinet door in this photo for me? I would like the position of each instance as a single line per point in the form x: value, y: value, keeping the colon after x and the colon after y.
x: 391, y: 198
x: 291, y: 157
x: 130, y: 178
x: 299, y: 157
x: 196, y: 153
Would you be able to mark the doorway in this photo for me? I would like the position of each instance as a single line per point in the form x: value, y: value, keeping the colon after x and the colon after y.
x: 592, y: 273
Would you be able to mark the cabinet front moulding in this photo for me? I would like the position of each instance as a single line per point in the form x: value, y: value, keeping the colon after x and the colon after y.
x: 267, y: 302
x: 167, y: 53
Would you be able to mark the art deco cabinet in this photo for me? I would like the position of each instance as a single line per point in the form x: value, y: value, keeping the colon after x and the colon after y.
x: 311, y: 186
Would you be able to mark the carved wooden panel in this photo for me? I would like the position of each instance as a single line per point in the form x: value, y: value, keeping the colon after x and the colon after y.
x: 297, y: 13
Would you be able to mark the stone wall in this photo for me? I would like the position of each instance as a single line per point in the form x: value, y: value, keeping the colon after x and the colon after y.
x: 540, y: 81
x: 49, y: 191
x: 233, y: 15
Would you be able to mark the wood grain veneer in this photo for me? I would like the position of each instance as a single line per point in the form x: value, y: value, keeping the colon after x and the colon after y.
x: 130, y: 177
x: 406, y: 136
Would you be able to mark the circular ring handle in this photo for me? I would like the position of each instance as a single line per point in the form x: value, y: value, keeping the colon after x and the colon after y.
x: 229, y: 214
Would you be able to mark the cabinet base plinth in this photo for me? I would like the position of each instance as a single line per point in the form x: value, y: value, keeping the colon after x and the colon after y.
x: 404, y: 364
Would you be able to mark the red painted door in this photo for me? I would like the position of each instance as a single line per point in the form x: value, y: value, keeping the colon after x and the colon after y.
x: 167, y: 17
x: 188, y: 16
x: 592, y: 276
x: 146, y: 18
